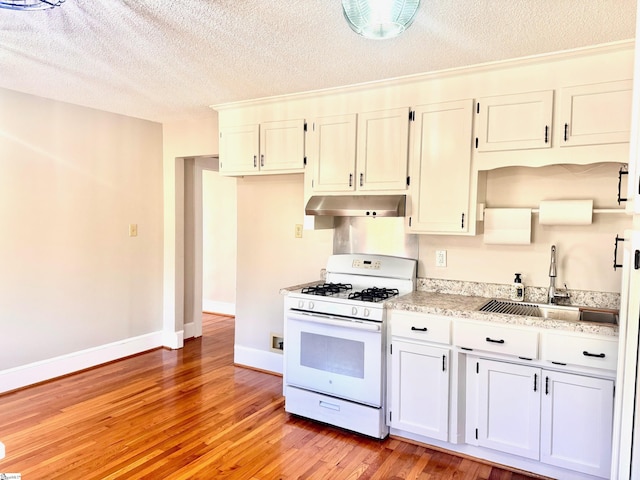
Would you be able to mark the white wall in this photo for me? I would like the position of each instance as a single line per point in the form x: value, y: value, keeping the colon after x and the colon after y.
x: 270, y: 258
x: 585, y: 253
x: 219, y: 245
x: 71, y: 181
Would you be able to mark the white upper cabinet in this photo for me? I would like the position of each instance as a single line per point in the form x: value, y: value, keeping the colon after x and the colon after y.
x: 382, y: 150
x: 366, y: 152
x: 269, y: 147
x: 515, y: 122
x: 441, y: 185
x: 239, y: 147
x: 595, y: 114
x: 332, y: 149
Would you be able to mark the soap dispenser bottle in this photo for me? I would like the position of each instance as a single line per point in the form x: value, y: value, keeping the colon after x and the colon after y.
x: 517, y: 290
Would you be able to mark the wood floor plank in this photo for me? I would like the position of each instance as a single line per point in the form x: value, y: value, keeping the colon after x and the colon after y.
x: 192, y: 414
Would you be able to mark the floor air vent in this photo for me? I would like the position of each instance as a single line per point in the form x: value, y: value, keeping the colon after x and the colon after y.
x: 511, y: 308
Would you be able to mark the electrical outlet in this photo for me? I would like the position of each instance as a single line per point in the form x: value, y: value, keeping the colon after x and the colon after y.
x: 441, y: 258
x: 277, y: 343
x: 133, y: 229
x: 298, y: 230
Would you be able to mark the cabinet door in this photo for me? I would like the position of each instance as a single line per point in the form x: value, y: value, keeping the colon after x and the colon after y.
x: 577, y: 418
x: 382, y: 155
x: 596, y: 114
x: 332, y: 148
x: 515, y: 122
x: 419, y: 398
x: 239, y: 148
x: 282, y: 146
x: 509, y: 408
x: 441, y: 168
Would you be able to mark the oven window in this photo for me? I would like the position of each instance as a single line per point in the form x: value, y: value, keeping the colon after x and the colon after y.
x: 332, y: 354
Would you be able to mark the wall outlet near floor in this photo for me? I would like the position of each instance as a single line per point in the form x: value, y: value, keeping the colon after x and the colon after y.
x: 277, y: 343
x: 441, y: 258
x: 298, y: 230
x: 133, y: 229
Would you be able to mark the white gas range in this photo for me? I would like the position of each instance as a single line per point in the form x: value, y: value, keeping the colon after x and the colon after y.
x: 335, y: 340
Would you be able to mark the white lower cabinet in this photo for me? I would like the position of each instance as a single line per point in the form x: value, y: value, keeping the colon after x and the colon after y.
x: 419, y: 389
x: 577, y: 420
x: 562, y: 419
x: 509, y: 408
x: 533, y: 399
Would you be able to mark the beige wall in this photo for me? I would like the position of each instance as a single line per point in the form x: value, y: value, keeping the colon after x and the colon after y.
x: 585, y: 253
x: 269, y: 255
x: 194, y: 137
x: 71, y: 180
x: 219, y: 246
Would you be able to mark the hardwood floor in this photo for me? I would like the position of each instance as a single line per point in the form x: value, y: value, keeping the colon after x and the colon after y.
x: 191, y: 414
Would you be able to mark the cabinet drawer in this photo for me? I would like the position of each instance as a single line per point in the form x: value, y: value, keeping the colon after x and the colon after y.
x: 577, y: 350
x: 520, y: 342
x: 425, y: 327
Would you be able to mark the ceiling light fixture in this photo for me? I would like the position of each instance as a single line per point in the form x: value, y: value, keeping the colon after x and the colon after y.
x: 379, y: 19
x: 30, y: 4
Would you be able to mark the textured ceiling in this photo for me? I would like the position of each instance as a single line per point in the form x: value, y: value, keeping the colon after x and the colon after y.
x: 166, y: 60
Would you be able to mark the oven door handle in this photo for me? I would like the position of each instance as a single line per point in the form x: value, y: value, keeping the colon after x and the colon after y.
x: 334, y: 321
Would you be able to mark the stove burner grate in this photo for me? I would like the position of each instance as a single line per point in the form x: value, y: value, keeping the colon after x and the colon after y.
x: 325, y: 289
x: 374, y: 294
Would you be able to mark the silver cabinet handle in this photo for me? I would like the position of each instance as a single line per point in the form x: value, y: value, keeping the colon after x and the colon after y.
x: 255, y: 161
x: 262, y: 160
x: 362, y: 179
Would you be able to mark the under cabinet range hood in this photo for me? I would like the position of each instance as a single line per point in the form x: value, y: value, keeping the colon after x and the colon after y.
x: 357, y: 205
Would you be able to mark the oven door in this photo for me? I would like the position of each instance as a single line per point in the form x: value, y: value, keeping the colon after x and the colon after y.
x: 336, y: 356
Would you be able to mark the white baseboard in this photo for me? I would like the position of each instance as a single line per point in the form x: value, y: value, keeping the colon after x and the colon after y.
x: 40, y: 371
x: 224, y: 308
x: 190, y: 330
x: 173, y: 340
x: 260, y: 359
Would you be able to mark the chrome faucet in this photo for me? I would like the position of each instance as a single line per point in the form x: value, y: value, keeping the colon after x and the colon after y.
x: 554, y: 295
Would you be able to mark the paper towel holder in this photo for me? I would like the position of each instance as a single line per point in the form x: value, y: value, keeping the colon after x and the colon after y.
x: 482, y: 207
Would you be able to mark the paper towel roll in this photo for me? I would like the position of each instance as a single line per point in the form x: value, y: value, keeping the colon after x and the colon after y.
x: 566, y: 212
x: 507, y: 226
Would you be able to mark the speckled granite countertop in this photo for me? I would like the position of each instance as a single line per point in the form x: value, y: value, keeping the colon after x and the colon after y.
x: 466, y: 306
x: 459, y: 299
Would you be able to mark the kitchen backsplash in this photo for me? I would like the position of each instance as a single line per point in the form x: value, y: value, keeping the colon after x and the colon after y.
x: 494, y: 290
x: 532, y: 294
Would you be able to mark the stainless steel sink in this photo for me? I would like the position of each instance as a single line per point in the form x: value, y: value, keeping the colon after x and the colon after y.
x: 556, y: 312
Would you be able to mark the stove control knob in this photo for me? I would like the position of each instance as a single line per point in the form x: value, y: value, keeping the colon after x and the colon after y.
x: 311, y: 306
x: 300, y: 304
x: 366, y: 312
x: 354, y: 310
